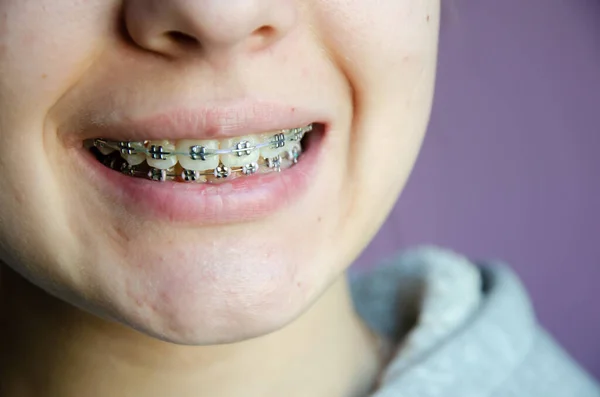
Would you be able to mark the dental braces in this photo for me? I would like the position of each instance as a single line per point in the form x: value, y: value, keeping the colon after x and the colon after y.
x: 201, y: 153
x: 221, y: 172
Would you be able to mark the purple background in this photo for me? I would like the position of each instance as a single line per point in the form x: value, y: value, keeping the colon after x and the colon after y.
x: 510, y: 169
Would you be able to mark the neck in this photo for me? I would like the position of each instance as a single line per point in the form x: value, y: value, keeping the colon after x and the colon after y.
x: 50, y: 348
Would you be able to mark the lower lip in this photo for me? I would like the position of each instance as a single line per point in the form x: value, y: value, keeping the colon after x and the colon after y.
x: 241, y: 200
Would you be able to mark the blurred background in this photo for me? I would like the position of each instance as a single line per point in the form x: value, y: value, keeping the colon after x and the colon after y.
x: 510, y: 168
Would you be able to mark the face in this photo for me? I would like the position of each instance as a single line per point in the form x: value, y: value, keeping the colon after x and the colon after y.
x: 99, y: 97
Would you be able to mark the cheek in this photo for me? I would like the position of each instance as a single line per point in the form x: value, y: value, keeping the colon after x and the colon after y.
x: 393, y: 81
x: 372, y: 42
x: 45, y: 46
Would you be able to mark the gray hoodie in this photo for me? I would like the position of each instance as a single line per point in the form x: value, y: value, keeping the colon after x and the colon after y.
x: 461, y: 330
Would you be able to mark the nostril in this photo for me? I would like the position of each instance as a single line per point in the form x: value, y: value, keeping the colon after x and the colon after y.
x: 261, y: 37
x: 182, y: 38
x: 265, y: 31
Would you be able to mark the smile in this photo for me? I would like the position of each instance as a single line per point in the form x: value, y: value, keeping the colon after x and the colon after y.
x: 203, y: 161
x: 205, y: 166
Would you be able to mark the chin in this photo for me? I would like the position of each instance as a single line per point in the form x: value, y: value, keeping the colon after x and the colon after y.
x: 192, y: 295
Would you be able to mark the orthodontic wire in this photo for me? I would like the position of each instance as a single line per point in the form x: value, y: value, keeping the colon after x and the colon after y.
x: 293, y: 135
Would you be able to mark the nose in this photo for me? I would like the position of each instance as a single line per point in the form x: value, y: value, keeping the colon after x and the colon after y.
x: 177, y: 28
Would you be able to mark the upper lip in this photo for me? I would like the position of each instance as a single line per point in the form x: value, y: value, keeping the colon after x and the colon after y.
x: 205, y: 122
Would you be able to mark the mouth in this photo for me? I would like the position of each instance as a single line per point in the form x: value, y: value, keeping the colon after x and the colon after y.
x: 206, y: 182
x: 204, y: 161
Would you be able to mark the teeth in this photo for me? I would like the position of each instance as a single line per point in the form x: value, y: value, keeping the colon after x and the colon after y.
x: 105, y: 150
x: 245, y: 152
x: 134, y: 159
x: 131, y: 152
x: 196, y: 160
x: 274, y: 163
x: 157, y: 174
x: 250, y: 169
x: 192, y: 176
x: 293, y: 152
x: 160, y: 155
x: 222, y: 172
x: 204, y: 160
x: 278, y: 145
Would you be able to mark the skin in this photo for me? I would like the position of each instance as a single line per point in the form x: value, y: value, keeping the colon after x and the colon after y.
x: 99, y: 301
